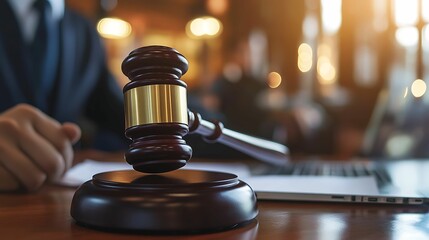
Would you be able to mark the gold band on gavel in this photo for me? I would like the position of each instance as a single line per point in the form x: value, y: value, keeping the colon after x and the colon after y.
x: 160, y: 103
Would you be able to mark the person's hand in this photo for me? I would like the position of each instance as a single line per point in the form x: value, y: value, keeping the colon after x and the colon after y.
x: 34, y: 148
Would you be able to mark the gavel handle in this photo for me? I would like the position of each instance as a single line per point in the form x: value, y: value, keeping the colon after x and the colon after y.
x: 261, y: 149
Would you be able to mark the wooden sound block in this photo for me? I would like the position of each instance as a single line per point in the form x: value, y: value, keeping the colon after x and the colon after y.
x: 177, y: 201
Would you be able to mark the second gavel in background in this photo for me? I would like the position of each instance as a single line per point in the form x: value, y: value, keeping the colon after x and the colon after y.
x: 157, y: 116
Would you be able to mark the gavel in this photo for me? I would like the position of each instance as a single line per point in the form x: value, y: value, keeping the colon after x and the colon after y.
x: 157, y: 116
x: 156, y: 198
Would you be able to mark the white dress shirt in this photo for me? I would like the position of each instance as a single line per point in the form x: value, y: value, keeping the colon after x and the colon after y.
x: 28, y: 17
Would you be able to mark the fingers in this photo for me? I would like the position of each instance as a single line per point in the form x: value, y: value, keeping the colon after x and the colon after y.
x: 34, y: 147
x: 44, y: 154
x: 72, y: 131
x: 60, y: 136
x: 23, y: 170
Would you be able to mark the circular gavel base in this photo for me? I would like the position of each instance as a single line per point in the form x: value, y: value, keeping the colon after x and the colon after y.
x: 178, y: 201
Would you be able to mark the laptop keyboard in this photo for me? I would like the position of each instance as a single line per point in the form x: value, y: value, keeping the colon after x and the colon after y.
x: 346, y: 169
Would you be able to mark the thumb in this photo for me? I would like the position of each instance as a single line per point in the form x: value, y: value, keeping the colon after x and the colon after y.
x: 72, y: 131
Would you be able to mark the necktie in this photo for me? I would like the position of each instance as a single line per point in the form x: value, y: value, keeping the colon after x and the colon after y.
x: 39, y: 44
x: 41, y: 51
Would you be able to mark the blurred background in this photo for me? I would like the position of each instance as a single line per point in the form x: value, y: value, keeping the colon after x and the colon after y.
x: 340, y: 78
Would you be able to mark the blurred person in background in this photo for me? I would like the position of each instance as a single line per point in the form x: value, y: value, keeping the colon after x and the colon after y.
x: 54, y: 84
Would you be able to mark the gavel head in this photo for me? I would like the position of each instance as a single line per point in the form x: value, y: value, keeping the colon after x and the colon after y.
x: 156, y: 112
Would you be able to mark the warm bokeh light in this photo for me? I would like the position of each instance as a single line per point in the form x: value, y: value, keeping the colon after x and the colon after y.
x: 217, y: 7
x: 197, y: 27
x: 418, y: 88
x: 274, y: 79
x: 331, y: 15
x: 113, y: 28
x: 305, y: 57
x: 407, y: 36
x: 204, y: 27
x: 326, y: 70
x: 405, y: 12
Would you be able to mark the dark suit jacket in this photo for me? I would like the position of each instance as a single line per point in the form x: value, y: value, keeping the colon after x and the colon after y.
x: 80, y: 86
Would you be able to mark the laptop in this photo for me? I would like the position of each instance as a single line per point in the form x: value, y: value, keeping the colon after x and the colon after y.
x: 355, y: 181
x: 395, y: 172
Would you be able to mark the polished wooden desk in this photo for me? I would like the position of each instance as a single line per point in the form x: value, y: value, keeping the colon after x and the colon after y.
x: 45, y: 215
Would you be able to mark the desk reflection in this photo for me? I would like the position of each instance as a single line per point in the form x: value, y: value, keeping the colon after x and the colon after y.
x: 328, y: 221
